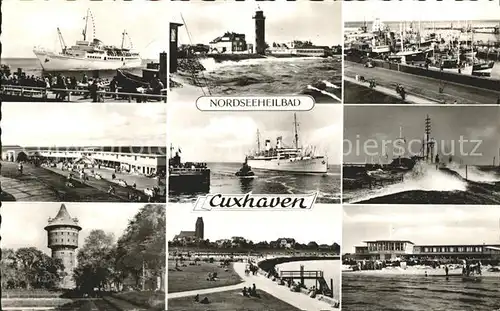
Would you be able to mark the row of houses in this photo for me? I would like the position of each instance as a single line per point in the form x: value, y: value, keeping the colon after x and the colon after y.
x: 393, y: 249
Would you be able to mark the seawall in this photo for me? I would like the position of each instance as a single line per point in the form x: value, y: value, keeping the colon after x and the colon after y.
x: 268, y: 264
x: 480, y: 82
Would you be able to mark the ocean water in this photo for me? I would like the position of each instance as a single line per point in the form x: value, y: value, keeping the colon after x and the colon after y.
x: 331, y: 270
x: 272, y: 76
x: 417, y: 293
x: 32, y: 67
x: 483, y: 181
x: 223, y: 180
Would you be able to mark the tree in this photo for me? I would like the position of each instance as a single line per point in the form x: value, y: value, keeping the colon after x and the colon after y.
x: 312, y: 245
x: 142, y: 246
x: 96, y: 266
x: 28, y: 267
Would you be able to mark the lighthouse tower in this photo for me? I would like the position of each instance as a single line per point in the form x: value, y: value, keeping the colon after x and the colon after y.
x: 62, y: 239
x: 260, y: 32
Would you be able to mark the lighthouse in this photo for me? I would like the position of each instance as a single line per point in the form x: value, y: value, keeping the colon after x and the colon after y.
x: 62, y: 239
x: 260, y: 32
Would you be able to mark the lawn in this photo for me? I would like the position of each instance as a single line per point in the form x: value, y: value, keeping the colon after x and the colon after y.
x: 148, y: 299
x: 195, y: 277
x: 231, y: 301
x: 32, y: 293
x: 33, y: 302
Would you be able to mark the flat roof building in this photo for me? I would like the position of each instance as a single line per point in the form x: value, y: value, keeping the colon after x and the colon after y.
x: 145, y: 160
x: 392, y: 249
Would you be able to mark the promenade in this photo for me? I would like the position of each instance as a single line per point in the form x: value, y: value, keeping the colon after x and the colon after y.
x: 300, y: 301
x: 421, y: 86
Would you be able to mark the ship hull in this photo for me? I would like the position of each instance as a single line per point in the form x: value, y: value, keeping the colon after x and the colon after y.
x: 56, y: 62
x: 316, y: 165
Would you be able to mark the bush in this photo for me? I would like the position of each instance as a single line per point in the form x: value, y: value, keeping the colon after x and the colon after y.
x: 148, y: 299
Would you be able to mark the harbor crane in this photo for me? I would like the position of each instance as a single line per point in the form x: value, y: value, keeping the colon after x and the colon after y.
x: 61, y: 40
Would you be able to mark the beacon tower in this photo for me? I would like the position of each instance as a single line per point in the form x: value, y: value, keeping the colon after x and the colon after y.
x: 62, y: 239
x: 260, y: 32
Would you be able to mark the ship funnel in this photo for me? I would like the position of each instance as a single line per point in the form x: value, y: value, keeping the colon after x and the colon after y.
x: 278, y: 142
x: 268, y: 145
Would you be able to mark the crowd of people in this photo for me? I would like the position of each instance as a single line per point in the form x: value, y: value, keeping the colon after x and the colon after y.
x: 87, y: 87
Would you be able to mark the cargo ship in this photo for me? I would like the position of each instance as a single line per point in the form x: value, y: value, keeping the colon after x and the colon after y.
x: 287, y: 159
x: 88, y: 55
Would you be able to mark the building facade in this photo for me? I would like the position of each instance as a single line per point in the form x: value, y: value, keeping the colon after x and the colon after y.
x: 230, y: 42
x: 62, y: 239
x: 186, y: 237
x: 393, y: 249
x: 139, y: 160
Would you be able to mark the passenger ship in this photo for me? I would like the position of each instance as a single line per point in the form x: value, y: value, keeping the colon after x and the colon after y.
x: 88, y: 55
x: 287, y: 159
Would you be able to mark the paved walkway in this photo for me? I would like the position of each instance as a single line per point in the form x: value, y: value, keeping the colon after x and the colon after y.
x: 298, y: 300
x: 411, y: 99
x: 28, y: 188
x: 423, y: 86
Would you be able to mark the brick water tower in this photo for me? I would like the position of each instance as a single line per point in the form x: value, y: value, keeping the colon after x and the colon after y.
x: 260, y: 32
x: 62, y: 239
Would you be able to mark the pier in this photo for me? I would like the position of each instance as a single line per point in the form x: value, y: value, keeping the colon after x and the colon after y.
x: 316, y: 275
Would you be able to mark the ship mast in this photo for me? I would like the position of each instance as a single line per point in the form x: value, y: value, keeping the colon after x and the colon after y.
x: 123, y: 37
x: 85, y: 29
x: 295, y: 125
x: 258, y: 141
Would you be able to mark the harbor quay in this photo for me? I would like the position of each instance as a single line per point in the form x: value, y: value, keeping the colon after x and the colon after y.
x: 430, y: 86
x: 79, y: 173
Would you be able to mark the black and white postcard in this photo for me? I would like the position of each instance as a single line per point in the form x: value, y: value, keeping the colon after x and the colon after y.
x: 422, y: 52
x: 424, y: 155
x: 256, y: 48
x: 70, y: 256
x: 83, y: 152
x: 83, y: 51
x: 219, y: 261
x: 426, y: 257
x: 263, y: 152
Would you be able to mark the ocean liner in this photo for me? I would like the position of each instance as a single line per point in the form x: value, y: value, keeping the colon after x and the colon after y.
x: 88, y: 55
x: 287, y: 159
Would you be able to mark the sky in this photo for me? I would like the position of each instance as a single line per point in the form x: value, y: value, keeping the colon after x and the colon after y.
x: 412, y: 10
x: 319, y: 22
x: 421, y: 224
x: 228, y: 136
x: 448, y: 124
x: 27, y: 24
x: 322, y: 223
x: 83, y: 124
x: 23, y: 223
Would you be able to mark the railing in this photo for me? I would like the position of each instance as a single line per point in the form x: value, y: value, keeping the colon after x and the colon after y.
x: 30, y: 91
x: 182, y: 169
x: 299, y: 274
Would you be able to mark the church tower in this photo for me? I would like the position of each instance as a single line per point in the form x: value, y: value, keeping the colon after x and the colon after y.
x: 62, y: 239
x: 199, y: 228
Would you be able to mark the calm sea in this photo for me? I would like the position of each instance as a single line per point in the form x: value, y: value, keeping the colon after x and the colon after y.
x: 223, y: 180
x: 417, y: 293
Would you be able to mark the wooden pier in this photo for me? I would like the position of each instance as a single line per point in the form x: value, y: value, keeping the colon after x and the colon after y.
x: 303, y: 275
